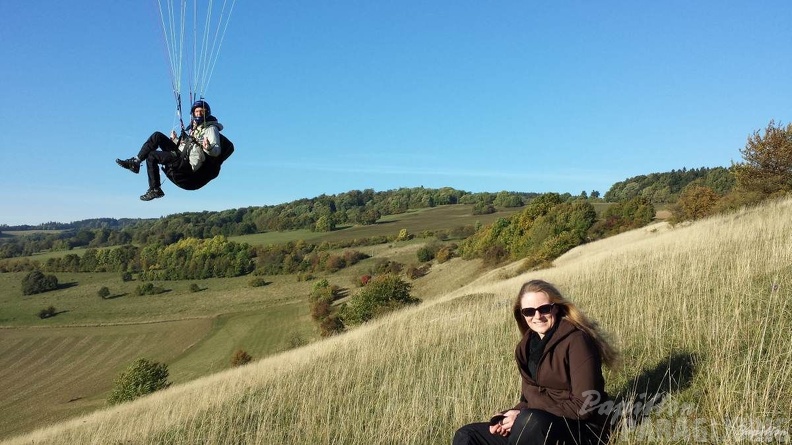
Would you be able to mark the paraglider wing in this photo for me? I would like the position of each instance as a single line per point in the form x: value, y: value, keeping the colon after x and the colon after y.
x: 208, y: 23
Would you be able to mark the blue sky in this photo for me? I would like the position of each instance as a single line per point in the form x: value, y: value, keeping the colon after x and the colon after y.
x: 326, y: 97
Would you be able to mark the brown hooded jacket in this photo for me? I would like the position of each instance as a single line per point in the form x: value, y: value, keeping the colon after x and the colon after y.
x: 569, y: 380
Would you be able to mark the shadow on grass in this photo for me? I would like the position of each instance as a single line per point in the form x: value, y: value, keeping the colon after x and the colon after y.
x: 113, y: 297
x: 45, y: 314
x: 646, y: 392
x: 67, y: 285
x: 342, y: 292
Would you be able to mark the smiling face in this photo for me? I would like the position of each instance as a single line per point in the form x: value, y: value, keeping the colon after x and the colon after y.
x: 539, y: 323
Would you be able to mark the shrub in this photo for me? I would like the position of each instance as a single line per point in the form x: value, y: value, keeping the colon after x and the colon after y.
x: 483, y: 209
x: 195, y: 287
x: 384, y: 266
x: 403, y: 235
x: 462, y: 232
x: 240, y: 358
x: 364, y: 280
x: 695, y: 202
x: 320, y: 310
x: 445, y: 253
x: 140, y: 378
x: 415, y: 272
x: 353, y: 257
x: 296, y: 341
x: 103, y: 293
x: 36, y: 282
x: 149, y: 289
x: 426, y: 253
x: 383, y: 294
x: 330, y: 325
x: 258, y: 282
x: 494, y: 255
x: 626, y: 215
x: 307, y: 276
x: 323, y: 312
x: 126, y: 276
x: 47, y: 313
x: 334, y: 263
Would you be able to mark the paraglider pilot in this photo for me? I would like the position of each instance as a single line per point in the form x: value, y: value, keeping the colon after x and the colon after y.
x: 183, y: 156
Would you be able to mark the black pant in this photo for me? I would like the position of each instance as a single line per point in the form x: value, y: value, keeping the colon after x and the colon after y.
x: 533, y: 427
x: 168, y: 153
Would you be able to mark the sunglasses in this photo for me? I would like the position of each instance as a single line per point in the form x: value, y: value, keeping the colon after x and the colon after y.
x: 543, y: 310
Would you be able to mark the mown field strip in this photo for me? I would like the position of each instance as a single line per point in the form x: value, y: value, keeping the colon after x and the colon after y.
x: 50, y: 374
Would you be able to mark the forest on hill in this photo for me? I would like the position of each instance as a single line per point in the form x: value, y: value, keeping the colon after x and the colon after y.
x: 665, y: 188
x: 324, y: 213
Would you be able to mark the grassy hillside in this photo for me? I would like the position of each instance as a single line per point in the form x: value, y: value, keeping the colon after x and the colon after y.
x: 701, y: 313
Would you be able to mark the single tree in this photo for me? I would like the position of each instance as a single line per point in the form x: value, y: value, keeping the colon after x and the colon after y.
x: 695, y: 202
x: 767, y: 161
x: 140, y: 378
x: 240, y: 358
x: 36, y: 282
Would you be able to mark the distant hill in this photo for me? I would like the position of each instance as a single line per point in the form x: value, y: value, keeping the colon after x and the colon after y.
x: 95, y: 223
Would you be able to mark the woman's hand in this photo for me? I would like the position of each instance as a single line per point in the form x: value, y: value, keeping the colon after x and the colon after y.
x: 503, y: 428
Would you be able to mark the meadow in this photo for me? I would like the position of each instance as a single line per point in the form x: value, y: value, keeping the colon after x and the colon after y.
x: 701, y: 314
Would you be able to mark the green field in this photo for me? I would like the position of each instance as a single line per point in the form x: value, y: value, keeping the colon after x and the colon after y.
x: 415, y: 221
x: 51, y: 374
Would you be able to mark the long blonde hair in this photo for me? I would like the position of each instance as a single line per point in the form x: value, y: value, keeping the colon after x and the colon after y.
x: 567, y: 310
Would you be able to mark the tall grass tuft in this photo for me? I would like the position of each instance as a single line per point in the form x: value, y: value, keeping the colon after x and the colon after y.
x: 701, y: 314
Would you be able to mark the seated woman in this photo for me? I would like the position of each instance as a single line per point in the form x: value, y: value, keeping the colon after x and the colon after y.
x: 560, y: 360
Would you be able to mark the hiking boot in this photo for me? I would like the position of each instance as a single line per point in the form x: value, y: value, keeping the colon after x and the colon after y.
x: 131, y: 164
x: 152, y: 194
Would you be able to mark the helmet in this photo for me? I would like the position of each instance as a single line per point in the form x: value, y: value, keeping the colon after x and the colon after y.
x: 203, y: 104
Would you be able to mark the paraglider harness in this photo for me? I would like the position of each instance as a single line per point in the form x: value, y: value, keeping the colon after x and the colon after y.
x: 180, y: 172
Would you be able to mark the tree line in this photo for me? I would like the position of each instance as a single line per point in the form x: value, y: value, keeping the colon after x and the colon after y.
x: 322, y: 213
x: 189, y: 258
x: 665, y: 188
x: 194, y: 258
x: 549, y: 226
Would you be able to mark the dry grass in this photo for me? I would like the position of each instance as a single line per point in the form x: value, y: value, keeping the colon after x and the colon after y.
x: 702, y: 315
